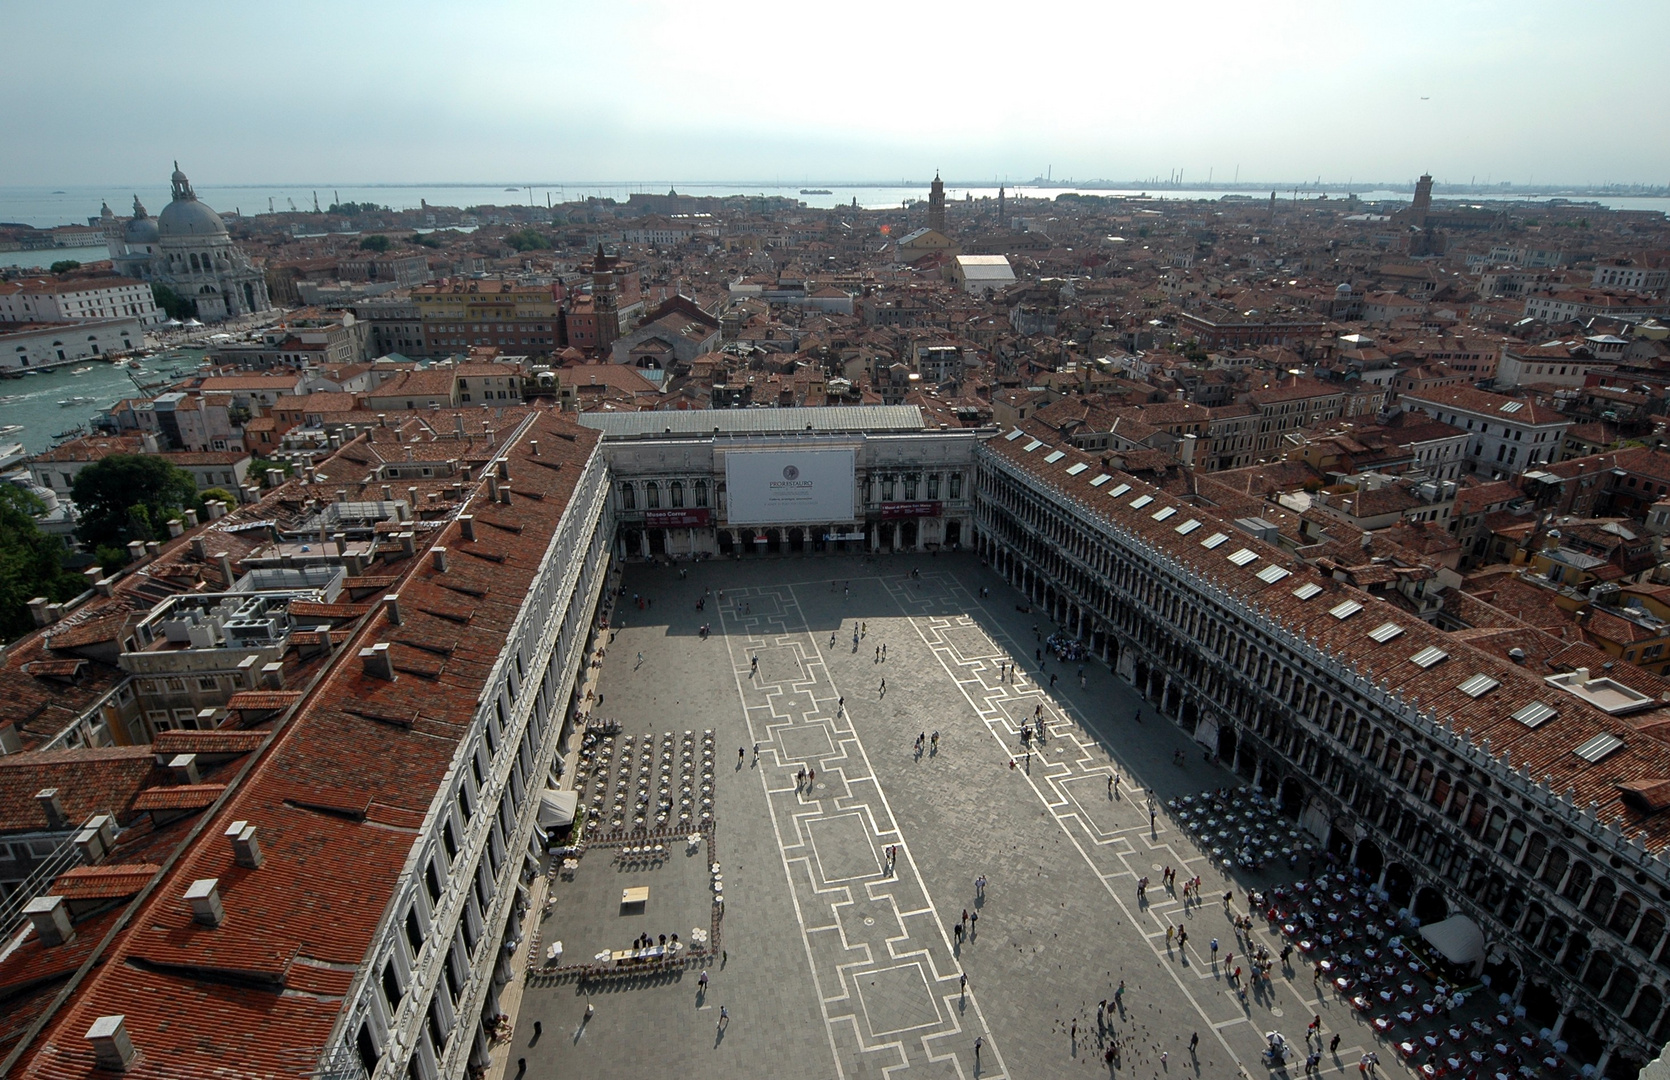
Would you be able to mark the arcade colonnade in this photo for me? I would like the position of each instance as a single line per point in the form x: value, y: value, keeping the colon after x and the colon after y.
x: 1576, y: 937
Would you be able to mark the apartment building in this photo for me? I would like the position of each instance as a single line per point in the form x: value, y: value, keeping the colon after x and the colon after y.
x: 1509, y: 435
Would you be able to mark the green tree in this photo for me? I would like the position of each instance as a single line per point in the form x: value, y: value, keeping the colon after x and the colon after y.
x: 424, y: 240
x: 172, y: 303
x: 128, y: 497
x: 31, y: 562
x: 258, y: 467
x: 529, y: 239
x: 222, y: 494
x: 374, y: 243
x: 64, y: 266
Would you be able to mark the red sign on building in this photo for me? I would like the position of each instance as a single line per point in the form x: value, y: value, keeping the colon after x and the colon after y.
x: 669, y: 518
x: 910, y: 509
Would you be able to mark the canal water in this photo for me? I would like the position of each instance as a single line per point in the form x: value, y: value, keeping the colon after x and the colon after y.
x: 49, y: 403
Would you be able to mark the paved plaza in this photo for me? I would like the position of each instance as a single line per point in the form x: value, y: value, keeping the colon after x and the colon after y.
x: 831, y: 960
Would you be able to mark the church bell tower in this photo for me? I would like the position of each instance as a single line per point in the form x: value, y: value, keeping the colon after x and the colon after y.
x: 936, y: 204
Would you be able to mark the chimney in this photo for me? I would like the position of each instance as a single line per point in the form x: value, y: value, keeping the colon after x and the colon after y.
x: 53, y: 807
x: 91, y: 845
x: 204, y: 898
x: 92, y: 574
x: 37, y: 610
x: 377, y: 662
x: 184, y: 768
x: 341, y: 541
x: 391, y: 604
x: 225, y: 561
x: 439, y: 555
x: 106, y: 826
x: 388, y: 493
x: 153, y: 548
x: 246, y: 673
x: 492, y: 487
x: 246, y: 849
x: 355, y: 563
x: 533, y: 445
x: 275, y: 477
x: 466, y: 472
x: 504, y: 469
x: 54, y: 612
x: 217, y: 509
x: 458, y: 423
x: 51, y: 917
x: 1579, y: 679
x: 341, y: 495
x: 190, y: 517
x: 504, y: 496
x: 411, y: 497
x: 251, y: 493
x: 105, y: 586
x: 272, y: 675
x: 199, y: 549
x: 136, y: 550
x: 466, y: 525
x: 382, y: 419
x: 112, y: 1049
x: 148, y: 442
x: 408, y: 543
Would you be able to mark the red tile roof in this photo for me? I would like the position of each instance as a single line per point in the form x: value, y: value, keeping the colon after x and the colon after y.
x: 104, y: 882
x: 178, y: 797
x: 1546, y: 749
x: 336, y: 800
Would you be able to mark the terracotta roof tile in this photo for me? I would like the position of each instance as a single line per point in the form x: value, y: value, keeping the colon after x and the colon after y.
x: 178, y: 797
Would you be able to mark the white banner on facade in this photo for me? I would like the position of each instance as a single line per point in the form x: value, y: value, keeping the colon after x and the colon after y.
x: 785, y: 487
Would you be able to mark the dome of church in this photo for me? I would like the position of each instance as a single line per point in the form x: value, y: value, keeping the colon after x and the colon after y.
x: 141, y: 231
x: 188, y: 217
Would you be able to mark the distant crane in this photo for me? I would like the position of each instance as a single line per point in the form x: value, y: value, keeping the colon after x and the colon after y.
x: 292, y: 203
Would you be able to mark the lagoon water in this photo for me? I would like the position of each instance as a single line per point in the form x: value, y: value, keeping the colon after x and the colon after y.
x: 74, y: 204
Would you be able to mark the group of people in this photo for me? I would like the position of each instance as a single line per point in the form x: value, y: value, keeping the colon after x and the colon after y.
x: 1065, y: 648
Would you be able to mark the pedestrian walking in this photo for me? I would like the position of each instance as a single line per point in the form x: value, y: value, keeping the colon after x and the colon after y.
x: 538, y: 1030
x: 756, y: 751
x: 811, y: 777
x: 521, y: 1066
x: 741, y: 754
x: 962, y: 982
x: 884, y: 653
x: 1194, y: 1041
x: 1052, y: 682
x: 724, y: 1017
x: 979, y: 1041
x: 1333, y: 1044
x: 878, y: 654
x: 935, y: 740
x: 965, y: 915
x: 883, y: 687
x: 701, y: 981
x: 973, y: 921
x: 1214, y: 947
x: 755, y: 665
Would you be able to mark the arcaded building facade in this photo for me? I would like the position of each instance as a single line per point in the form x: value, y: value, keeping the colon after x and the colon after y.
x: 1528, y: 801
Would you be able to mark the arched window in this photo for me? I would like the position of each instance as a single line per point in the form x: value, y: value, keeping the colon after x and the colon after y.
x: 652, y: 495
x: 701, y: 493
x: 675, y: 491
x: 194, y: 265
x: 628, y: 496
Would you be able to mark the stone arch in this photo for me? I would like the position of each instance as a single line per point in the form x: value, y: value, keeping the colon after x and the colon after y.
x: 1430, y: 905
x: 1291, y: 797
x: 1399, y: 884
x: 1369, y: 858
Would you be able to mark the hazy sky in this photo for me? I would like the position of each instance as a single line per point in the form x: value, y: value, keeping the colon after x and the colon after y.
x: 850, y: 90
